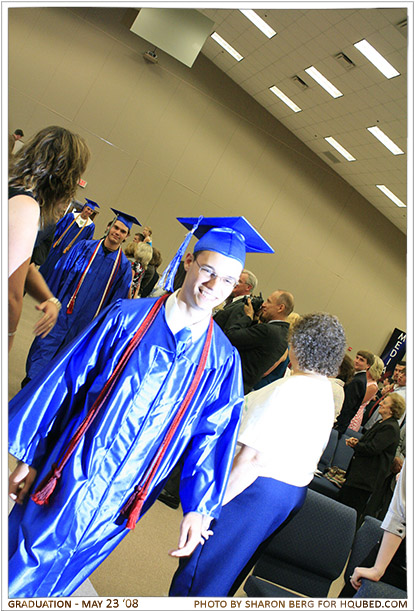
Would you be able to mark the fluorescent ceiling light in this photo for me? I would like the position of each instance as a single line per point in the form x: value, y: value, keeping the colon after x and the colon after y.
x: 285, y: 99
x: 340, y: 149
x: 325, y: 83
x: 376, y: 58
x: 385, y: 140
x: 227, y: 46
x: 259, y: 23
x: 392, y: 196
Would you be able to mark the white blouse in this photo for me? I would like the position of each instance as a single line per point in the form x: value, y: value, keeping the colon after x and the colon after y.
x: 289, y: 421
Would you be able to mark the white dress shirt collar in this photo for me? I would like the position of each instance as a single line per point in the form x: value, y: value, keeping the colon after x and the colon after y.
x: 176, y: 319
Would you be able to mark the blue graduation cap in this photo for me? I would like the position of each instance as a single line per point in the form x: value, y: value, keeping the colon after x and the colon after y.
x: 230, y: 236
x: 128, y: 220
x: 91, y: 204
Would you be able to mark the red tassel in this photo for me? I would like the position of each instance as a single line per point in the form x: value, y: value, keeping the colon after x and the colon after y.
x: 132, y: 507
x: 135, y: 513
x: 69, y: 310
x: 46, y: 487
x: 131, y: 500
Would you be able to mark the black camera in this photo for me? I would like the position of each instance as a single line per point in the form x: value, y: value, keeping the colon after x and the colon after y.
x: 256, y: 301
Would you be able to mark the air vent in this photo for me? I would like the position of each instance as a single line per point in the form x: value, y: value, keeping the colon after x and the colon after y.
x: 299, y: 82
x: 331, y: 157
x: 345, y: 61
x: 402, y: 25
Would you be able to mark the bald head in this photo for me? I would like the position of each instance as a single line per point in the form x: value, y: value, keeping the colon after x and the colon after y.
x: 277, y: 306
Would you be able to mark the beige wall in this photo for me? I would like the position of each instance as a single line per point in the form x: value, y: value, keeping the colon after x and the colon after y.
x: 189, y: 141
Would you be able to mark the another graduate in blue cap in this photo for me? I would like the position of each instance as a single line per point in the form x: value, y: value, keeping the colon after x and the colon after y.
x: 72, y: 228
x: 147, y: 383
x: 94, y: 274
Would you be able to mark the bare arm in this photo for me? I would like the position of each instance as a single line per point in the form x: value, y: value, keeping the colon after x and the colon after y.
x: 36, y: 287
x: 245, y: 470
x: 15, y: 297
x: 23, y: 226
x: 389, y: 546
x: 370, y: 393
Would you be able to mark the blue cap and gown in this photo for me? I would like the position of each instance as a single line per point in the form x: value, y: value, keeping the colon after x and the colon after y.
x: 67, y: 234
x: 54, y: 548
x: 108, y: 279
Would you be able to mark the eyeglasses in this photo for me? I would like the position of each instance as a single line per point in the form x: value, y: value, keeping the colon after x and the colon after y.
x: 210, y: 274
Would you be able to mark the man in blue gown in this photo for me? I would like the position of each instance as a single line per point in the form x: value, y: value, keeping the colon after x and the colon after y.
x: 72, y: 228
x: 106, y: 275
x: 143, y: 427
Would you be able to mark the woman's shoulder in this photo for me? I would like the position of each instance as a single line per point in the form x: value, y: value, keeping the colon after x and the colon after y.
x: 25, y: 208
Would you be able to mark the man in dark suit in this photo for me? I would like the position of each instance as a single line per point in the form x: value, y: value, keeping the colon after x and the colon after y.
x: 354, y: 391
x: 234, y: 309
x: 260, y: 345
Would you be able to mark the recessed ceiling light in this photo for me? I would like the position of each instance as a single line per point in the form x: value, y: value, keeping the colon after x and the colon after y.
x: 385, y: 140
x: 391, y: 196
x: 339, y: 148
x: 227, y: 46
x: 323, y: 82
x: 259, y: 23
x: 285, y: 99
x: 376, y: 58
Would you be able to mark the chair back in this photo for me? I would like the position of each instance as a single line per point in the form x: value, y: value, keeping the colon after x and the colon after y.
x: 309, y: 552
x: 366, y: 537
x: 327, y: 456
x: 343, y: 454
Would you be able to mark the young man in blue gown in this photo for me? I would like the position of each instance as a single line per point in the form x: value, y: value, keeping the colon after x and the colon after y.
x: 72, y: 228
x: 149, y: 382
x: 94, y: 274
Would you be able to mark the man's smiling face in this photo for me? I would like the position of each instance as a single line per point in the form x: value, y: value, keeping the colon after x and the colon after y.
x: 209, y: 280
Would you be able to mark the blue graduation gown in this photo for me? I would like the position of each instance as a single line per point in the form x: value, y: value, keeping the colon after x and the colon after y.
x: 54, y: 548
x: 56, y: 253
x: 63, y: 283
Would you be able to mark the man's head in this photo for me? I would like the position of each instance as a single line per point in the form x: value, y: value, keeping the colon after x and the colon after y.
x: 401, y: 379
x: 18, y: 134
x: 277, y: 306
x: 138, y: 237
x: 363, y: 360
x: 117, y: 233
x: 210, y: 278
x: 246, y: 284
x: 400, y: 367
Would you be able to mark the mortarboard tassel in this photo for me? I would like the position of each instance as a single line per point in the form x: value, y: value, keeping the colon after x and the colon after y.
x: 167, y: 278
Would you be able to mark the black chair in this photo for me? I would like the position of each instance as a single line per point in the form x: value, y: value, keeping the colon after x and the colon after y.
x: 306, y: 554
x: 327, y: 456
x: 379, y: 590
x: 367, y: 536
x: 341, y: 458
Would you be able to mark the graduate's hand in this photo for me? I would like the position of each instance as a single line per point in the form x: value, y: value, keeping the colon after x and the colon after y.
x: 194, y: 530
x: 364, y: 572
x: 47, y: 322
x: 20, y: 481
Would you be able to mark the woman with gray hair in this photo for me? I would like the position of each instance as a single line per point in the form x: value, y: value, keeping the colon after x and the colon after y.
x: 373, y: 456
x: 285, y: 428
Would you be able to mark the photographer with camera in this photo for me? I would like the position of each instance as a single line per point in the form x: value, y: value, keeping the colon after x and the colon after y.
x: 261, y: 344
x: 234, y: 308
